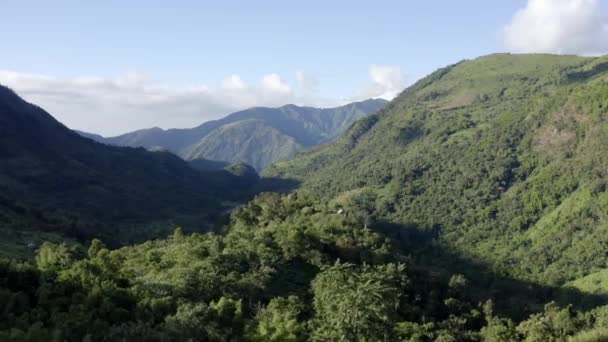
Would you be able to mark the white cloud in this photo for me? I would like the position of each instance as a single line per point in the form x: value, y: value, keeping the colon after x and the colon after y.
x: 233, y: 82
x: 274, y: 83
x: 300, y: 76
x: 386, y: 82
x: 558, y: 26
x: 111, y: 106
x: 306, y: 83
x: 133, y: 101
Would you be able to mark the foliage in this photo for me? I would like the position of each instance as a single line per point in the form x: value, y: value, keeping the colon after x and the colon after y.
x: 280, y: 320
x: 287, y: 268
x: 500, y: 159
x: 356, y: 305
x: 203, y: 287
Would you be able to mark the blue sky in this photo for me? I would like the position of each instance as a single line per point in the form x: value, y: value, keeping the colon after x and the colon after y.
x: 308, y: 52
x: 204, y: 41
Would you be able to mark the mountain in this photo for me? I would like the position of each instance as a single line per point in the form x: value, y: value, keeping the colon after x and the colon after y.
x: 502, y: 159
x: 53, y: 180
x: 256, y: 136
x: 250, y: 140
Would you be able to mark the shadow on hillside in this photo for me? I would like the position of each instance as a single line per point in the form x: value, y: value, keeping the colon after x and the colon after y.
x: 275, y: 184
x: 225, y: 194
x: 586, y: 74
x: 513, y: 298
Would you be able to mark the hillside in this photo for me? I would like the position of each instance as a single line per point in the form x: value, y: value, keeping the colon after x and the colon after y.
x: 53, y: 180
x: 501, y: 159
x: 257, y: 136
x: 250, y: 140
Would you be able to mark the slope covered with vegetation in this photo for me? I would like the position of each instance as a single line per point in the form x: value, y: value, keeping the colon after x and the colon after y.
x: 501, y: 159
x: 252, y: 141
x: 257, y: 136
x: 288, y: 268
x: 53, y: 180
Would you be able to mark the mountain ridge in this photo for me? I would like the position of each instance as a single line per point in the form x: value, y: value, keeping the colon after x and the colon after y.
x: 302, y: 126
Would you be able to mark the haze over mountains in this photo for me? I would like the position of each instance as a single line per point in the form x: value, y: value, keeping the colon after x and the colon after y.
x: 257, y: 136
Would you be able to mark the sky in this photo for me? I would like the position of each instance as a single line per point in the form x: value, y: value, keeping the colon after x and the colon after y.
x: 113, y: 66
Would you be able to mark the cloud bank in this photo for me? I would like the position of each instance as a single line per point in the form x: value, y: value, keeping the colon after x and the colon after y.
x: 134, y: 100
x: 110, y: 106
x: 386, y: 83
x: 558, y: 26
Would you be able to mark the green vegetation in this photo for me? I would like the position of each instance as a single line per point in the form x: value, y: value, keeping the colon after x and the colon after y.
x: 596, y: 283
x: 501, y: 160
x: 287, y: 269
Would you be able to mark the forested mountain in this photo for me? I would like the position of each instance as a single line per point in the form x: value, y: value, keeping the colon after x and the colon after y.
x: 257, y: 136
x: 503, y: 158
x: 54, y: 180
x: 472, y: 208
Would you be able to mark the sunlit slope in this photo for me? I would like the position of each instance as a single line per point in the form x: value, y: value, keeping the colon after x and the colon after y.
x: 504, y: 157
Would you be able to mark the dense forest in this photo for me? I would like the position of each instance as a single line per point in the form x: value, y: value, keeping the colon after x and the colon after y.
x: 503, y: 157
x: 288, y: 268
x: 471, y: 208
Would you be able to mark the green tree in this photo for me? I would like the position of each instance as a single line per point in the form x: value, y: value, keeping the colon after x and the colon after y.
x: 356, y: 304
x: 414, y: 332
x: 554, y: 324
x: 279, y: 321
x: 53, y: 257
x: 95, y: 247
x: 500, y: 330
x: 217, y: 321
x: 178, y: 233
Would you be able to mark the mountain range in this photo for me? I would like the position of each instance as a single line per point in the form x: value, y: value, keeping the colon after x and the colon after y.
x: 257, y: 136
x: 472, y: 207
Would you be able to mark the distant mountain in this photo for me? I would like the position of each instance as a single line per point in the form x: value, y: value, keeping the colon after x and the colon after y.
x: 253, y: 141
x: 52, y: 179
x: 257, y: 136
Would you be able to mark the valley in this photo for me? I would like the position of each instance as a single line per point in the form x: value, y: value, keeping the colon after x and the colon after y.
x: 472, y: 207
